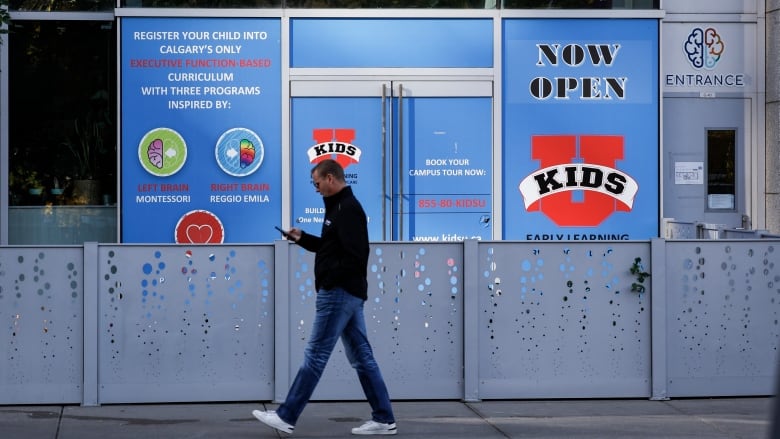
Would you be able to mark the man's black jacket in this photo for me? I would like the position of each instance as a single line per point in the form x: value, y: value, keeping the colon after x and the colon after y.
x: 342, y: 248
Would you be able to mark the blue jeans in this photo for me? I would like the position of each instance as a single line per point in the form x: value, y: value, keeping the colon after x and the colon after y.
x: 338, y: 314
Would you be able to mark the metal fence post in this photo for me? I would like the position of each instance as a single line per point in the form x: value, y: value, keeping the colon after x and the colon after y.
x: 90, y: 295
x: 281, y: 319
x: 470, y: 320
x: 658, y: 346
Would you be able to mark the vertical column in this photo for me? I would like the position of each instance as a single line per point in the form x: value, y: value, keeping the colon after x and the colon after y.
x: 281, y: 319
x: 470, y: 320
x: 658, y: 375
x: 91, y: 310
x: 772, y: 161
x: 4, y: 150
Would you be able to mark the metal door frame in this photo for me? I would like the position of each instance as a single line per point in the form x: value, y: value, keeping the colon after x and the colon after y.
x: 744, y: 204
x: 388, y: 87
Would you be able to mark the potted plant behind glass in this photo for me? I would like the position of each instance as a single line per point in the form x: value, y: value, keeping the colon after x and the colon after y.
x: 22, y: 179
x: 87, y: 143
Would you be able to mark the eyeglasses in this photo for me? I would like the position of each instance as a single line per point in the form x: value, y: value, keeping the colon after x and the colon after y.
x: 317, y: 183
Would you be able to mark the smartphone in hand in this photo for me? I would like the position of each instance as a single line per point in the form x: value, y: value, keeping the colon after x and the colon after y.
x: 282, y: 231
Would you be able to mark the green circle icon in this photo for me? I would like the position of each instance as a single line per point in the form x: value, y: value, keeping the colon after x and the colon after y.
x: 162, y: 152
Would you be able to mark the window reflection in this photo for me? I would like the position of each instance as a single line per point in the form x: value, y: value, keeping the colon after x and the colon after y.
x: 62, y: 135
x: 581, y: 4
x: 313, y: 4
x: 397, y: 4
x: 391, y: 4
x: 721, y: 167
x: 62, y: 5
x: 558, y: 4
x: 202, y: 3
x: 63, y: 94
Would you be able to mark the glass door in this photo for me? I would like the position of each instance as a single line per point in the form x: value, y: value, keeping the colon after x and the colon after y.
x: 442, y: 160
x: 417, y: 154
x: 706, y: 176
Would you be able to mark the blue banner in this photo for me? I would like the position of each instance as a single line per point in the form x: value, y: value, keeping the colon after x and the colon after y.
x: 440, y: 171
x: 580, y: 118
x: 447, y: 169
x: 391, y: 42
x: 201, y: 130
x: 345, y: 130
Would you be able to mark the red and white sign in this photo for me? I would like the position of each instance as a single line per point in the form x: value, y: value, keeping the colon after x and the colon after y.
x: 199, y: 227
x: 606, y: 189
x: 336, y: 144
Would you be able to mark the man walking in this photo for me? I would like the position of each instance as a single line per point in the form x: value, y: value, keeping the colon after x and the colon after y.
x: 340, y: 267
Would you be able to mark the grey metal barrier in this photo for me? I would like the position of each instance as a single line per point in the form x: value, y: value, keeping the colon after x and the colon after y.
x: 113, y: 323
x: 673, y: 229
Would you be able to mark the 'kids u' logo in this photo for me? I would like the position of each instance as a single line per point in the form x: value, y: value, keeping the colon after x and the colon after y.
x: 704, y: 48
x: 336, y: 144
x: 604, y: 189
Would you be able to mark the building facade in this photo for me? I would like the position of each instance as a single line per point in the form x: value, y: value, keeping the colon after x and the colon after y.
x: 527, y: 120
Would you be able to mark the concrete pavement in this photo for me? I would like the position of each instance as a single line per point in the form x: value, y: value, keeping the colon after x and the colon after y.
x: 720, y: 418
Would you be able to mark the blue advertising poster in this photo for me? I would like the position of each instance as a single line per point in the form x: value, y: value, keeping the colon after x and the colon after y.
x: 345, y: 130
x: 391, y: 42
x: 439, y: 175
x: 447, y: 170
x: 580, y: 140
x: 201, y: 130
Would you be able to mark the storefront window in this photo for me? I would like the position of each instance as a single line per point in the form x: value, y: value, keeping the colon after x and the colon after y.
x: 721, y: 164
x: 314, y: 4
x: 397, y: 4
x: 62, y: 135
x: 59, y: 5
x: 202, y: 3
x: 392, y: 4
x: 581, y: 4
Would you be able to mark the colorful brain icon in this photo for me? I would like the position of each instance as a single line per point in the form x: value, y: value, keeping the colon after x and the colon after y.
x: 704, y: 48
x: 247, y: 152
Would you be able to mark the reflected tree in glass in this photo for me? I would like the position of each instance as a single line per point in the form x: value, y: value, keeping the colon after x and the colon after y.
x: 62, y: 5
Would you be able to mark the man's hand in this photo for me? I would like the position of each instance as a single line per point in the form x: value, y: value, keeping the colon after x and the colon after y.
x: 294, y: 234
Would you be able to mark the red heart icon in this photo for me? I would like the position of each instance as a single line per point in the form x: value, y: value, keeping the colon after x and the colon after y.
x: 199, y: 227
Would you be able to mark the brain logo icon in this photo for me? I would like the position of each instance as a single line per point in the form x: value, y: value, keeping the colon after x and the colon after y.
x: 704, y: 48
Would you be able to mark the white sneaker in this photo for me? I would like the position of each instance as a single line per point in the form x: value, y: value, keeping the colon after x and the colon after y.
x: 373, y: 427
x: 271, y: 419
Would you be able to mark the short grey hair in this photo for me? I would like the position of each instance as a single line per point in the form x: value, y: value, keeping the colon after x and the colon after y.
x: 329, y: 166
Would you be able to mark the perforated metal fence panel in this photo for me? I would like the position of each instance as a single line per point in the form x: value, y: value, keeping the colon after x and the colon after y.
x: 722, y: 314
x: 185, y: 323
x: 41, y: 310
x: 560, y: 320
x: 463, y: 320
x: 414, y: 318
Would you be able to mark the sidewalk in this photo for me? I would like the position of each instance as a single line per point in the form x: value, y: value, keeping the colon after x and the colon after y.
x: 727, y: 418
